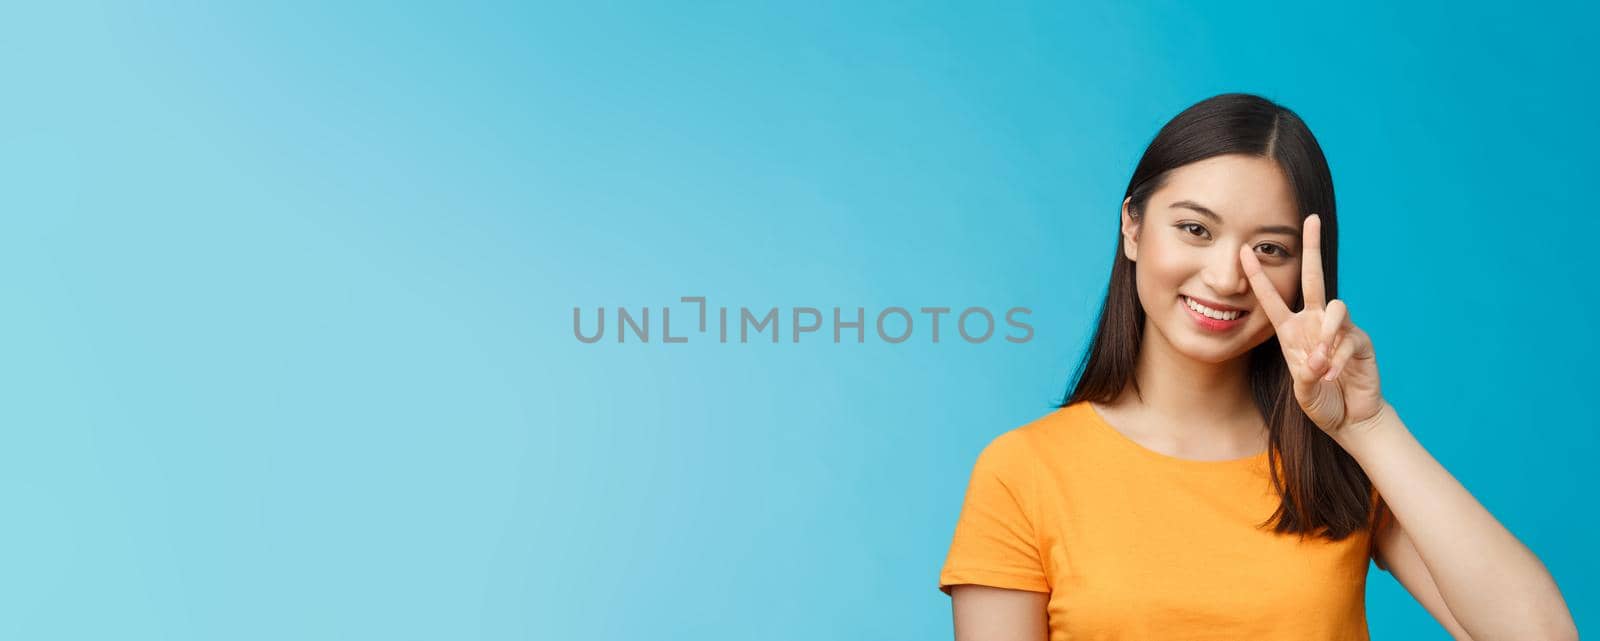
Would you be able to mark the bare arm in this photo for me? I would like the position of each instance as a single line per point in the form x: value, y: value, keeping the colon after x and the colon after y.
x: 1396, y: 552
x: 984, y: 613
x: 1492, y: 584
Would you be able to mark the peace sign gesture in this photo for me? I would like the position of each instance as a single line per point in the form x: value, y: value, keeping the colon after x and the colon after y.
x: 1334, y: 368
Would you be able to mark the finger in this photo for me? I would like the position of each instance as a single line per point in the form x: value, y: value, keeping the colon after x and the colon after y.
x: 1319, y: 359
x: 1309, y: 388
x: 1271, y: 302
x: 1311, y: 263
x: 1333, y: 319
x: 1341, y: 356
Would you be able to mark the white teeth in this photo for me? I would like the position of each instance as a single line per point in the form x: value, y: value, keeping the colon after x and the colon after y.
x: 1210, y: 313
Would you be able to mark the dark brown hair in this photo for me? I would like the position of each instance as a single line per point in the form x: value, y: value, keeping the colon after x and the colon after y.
x: 1323, y: 489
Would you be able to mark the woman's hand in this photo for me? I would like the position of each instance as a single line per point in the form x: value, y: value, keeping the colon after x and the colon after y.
x: 1334, y: 368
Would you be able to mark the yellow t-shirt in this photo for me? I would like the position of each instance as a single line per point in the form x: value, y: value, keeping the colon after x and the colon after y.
x: 1134, y: 544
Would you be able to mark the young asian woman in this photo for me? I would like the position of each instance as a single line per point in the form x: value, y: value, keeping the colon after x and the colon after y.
x: 1225, y: 463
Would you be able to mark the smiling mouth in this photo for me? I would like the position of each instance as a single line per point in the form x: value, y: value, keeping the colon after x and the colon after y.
x: 1215, y: 314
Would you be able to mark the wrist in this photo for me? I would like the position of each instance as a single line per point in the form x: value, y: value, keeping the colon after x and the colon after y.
x: 1355, y: 433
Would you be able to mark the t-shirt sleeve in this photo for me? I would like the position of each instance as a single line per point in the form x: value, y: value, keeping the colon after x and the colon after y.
x: 995, y: 542
x: 1381, y: 517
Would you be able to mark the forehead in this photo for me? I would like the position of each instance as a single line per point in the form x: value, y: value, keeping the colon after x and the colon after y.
x: 1248, y: 190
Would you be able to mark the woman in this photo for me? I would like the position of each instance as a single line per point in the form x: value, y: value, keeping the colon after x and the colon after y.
x: 1225, y: 463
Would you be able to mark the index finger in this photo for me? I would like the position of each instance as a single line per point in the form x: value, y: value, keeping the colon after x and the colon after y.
x: 1271, y: 302
x: 1311, y: 264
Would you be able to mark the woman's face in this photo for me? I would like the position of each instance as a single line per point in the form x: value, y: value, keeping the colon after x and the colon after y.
x: 1186, y: 249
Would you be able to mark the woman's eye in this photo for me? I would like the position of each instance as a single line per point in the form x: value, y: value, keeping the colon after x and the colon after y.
x: 1274, y: 251
x: 1194, y: 229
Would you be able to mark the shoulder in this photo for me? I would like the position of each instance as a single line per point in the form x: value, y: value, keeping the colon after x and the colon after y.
x: 1027, y: 442
x: 1060, y: 425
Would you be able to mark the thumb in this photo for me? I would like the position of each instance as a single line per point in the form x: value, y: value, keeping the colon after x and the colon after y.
x: 1315, y: 396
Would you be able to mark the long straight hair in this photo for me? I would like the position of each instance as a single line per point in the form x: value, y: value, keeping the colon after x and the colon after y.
x: 1323, y: 490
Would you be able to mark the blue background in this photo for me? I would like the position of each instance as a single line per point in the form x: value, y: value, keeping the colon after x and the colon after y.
x: 288, y: 294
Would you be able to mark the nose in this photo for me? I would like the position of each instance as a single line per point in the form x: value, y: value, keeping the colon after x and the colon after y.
x: 1223, y: 273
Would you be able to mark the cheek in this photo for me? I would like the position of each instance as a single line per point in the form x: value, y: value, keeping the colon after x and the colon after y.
x: 1157, y: 278
x: 1287, y: 282
x: 1162, y: 264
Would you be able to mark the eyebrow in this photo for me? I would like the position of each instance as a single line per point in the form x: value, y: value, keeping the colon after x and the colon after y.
x: 1267, y: 229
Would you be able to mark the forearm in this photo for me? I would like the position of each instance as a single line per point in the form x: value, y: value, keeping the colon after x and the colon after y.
x: 1493, y: 584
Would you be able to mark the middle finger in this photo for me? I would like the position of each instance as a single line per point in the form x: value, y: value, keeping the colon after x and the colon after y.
x: 1311, y: 263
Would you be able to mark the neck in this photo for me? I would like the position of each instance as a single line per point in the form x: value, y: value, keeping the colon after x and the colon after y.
x: 1211, y: 401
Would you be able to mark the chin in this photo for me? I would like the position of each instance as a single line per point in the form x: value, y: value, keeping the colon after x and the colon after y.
x: 1210, y: 350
